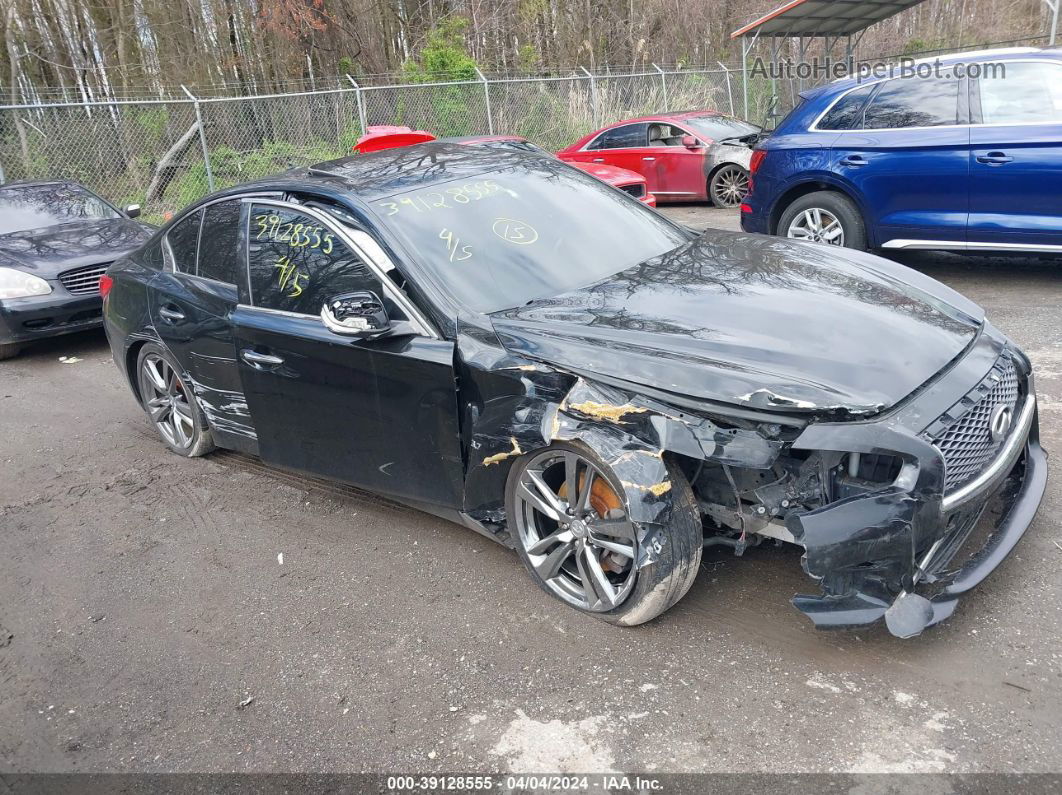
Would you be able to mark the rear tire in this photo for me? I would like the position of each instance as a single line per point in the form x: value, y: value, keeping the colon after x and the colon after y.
x: 554, y: 551
x: 9, y: 350
x: 824, y: 216
x: 169, y: 401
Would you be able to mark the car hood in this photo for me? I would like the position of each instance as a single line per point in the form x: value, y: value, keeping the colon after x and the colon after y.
x: 755, y: 321
x: 48, y: 251
x: 610, y: 174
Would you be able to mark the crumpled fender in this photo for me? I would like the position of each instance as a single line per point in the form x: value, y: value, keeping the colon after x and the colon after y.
x: 535, y: 405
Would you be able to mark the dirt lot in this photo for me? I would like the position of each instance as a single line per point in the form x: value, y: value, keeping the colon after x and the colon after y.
x: 146, y: 622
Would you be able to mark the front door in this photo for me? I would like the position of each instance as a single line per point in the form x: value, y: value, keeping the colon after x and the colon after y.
x: 380, y: 414
x: 910, y: 161
x: 1016, y: 155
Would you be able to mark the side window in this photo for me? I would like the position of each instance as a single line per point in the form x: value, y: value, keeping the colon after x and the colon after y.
x: 296, y: 263
x: 219, y: 243
x: 847, y: 113
x: 1021, y: 93
x: 914, y: 102
x: 151, y: 254
x: 627, y: 136
x: 183, y: 242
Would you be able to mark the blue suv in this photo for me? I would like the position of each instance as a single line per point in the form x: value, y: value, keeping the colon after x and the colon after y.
x: 965, y: 153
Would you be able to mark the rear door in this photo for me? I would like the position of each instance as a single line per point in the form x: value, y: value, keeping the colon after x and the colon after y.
x: 907, y: 158
x: 381, y: 414
x: 190, y: 306
x: 1016, y: 155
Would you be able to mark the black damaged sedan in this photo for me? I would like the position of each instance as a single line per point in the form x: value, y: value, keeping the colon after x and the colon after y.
x: 506, y: 342
x: 56, y: 240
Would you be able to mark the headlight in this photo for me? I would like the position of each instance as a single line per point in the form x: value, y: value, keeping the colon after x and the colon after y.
x: 16, y: 284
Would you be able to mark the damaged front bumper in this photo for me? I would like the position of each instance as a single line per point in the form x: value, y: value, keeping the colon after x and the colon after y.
x: 906, y: 553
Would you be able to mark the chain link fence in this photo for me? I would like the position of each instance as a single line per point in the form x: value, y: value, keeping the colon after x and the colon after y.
x: 164, y: 154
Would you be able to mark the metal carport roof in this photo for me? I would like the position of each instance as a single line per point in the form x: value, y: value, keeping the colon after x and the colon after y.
x: 823, y: 17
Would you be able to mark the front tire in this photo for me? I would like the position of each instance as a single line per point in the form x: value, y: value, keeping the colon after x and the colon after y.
x: 9, y: 350
x: 583, y: 550
x: 824, y: 216
x: 728, y: 186
x: 170, y: 403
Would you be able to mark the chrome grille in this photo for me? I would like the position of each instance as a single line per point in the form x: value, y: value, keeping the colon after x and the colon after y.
x: 966, y: 443
x: 84, y: 281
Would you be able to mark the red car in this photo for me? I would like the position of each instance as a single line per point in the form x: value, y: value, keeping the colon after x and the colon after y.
x: 683, y: 156
x: 388, y: 137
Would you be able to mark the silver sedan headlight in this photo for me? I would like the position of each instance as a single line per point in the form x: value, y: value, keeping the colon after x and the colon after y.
x: 16, y: 284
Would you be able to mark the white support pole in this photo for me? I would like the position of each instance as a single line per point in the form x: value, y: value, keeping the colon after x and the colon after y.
x: 486, y: 97
x: 593, y: 96
x: 361, y: 104
x: 729, y: 90
x: 1053, y: 5
x: 663, y: 85
x: 202, y: 139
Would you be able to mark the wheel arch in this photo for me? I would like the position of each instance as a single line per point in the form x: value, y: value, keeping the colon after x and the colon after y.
x: 793, y: 193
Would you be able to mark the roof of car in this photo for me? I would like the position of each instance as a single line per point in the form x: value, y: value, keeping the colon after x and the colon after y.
x: 464, y: 139
x: 977, y: 56
x: 386, y: 172
x: 670, y: 116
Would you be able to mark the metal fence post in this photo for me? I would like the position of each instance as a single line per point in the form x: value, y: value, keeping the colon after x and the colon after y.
x: 486, y: 97
x: 663, y: 84
x: 593, y: 97
x: 202, y: 139
x: 729, y: 90
x: 361, y: 104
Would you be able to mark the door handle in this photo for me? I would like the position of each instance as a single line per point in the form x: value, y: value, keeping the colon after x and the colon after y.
x: 170, y: 313
x: 853, y: 160
x: 260, y: 360
x: 994, y: 158
x: 648, y: 159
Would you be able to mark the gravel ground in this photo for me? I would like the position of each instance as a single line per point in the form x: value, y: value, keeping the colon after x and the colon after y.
x: 147, y: 623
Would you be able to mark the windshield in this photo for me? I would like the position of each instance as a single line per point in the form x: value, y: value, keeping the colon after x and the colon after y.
x: 25, y: 207
x: 505, y: 238
x: 719, y: 127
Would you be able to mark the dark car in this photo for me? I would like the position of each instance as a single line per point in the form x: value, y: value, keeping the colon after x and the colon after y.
x: 56, y: 240
x: 966, y: 157
x: 604, y: 391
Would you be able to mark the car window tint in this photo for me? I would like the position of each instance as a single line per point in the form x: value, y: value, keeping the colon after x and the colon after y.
x: 847, y: 114
x: 150, y: 255
x: 297, y: 264
x: 629, y: 135
x: 913, y: 102
x: 183, y: 239
x: 219, y: 243
x: 1021, y: 93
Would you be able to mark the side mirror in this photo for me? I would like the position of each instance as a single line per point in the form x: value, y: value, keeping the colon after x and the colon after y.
x: 690, y: 142
x: 359, y: 314
x: 132, y: 211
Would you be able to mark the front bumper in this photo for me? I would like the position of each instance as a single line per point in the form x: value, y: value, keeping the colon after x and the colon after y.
x: 29, y: 319
x: 906, y: 553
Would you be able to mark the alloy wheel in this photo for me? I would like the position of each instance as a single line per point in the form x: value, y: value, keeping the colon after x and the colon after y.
x: 731, y: 187
x: 166, y: 400
x: 576, y: 530
x: 818, y: 226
